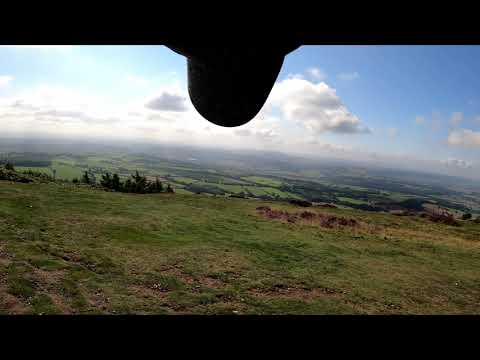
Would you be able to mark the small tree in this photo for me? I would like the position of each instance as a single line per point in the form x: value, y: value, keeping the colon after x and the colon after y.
x: 106, y: 181
x: 466, y: 216
x: 158, y: 185
x: 75, y: 180
x: 116, y: 184
x: 86, y: 178
x: 128, y: 186
x: 170, y: 189
x: 139, y: 183
x: 9, y: 166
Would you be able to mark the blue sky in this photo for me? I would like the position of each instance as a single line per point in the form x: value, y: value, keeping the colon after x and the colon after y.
x: 400, y: 103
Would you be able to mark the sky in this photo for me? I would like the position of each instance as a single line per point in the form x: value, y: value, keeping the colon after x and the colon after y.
x: 412, y: 107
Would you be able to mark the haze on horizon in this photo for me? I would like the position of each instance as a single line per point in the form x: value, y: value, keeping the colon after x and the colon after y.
x: 408, y: 107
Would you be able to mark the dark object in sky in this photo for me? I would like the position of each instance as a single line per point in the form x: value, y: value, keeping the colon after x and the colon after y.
x: 229, y: 85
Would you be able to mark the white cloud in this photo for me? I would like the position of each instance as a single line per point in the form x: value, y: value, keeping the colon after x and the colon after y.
x: 264, y: 128
x: 317, y: 73
x: 5, y: 80
x: 243, y: 132
x: 315, y: 106
x: 21, y: 105
x: 161, y: 118
x: 452, y: 162
x: 419, y: 120
x: 464, y: 137
x: 55, y: 110
x: 167, y: 101
x: 392, y: 132
x: 348, y: 76
x: 456, y: 118
x: 266, y: 134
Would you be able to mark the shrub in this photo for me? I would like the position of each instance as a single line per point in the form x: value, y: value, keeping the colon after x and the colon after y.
x: 302, y: 203
x: 466, y: 216
x: 106, y: 181
x: 86, y: 178
x: 9, y: 166
x: 116, y: 184
x: 158, y: 185
x: 135, y: 184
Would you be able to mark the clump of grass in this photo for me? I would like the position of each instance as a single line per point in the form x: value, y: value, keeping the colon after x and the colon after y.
x: 167, y: 283
x: 71, y: 291
x: 21, y: 287
x: 43, y: 304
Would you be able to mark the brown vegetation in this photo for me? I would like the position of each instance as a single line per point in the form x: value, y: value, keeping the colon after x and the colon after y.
x: 446, y: 219
x: 324, y: 220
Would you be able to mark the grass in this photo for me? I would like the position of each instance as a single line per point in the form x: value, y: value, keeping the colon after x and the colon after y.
x: 182, y: 191
x: 66, y: 249
x: 183, y: 180
x: 66, y: 171
x: 351, y: 200
x: 44, y: 170
x: 263, y: 181
x: 234, y: 189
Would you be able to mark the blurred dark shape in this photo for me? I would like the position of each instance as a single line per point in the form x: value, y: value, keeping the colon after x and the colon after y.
x: 229, y: 85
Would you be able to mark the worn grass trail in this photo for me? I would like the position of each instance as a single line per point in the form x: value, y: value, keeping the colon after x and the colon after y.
x: 66, y: 249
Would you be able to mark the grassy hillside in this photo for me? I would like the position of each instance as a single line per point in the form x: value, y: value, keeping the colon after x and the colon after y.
x: 67, y: 249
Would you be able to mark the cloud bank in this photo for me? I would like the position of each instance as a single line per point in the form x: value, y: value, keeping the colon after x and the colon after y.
x: 167, y: 102
x: 464, y: 137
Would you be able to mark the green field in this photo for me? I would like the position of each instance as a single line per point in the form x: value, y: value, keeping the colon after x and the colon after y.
x: 352, y: 201
x: 64, y: 171
x: 43, y: 170
x: 182, y: 191
x: 183, y: 180
x: 263, y: 180
x: 254, y: 190
x: 74, y: 250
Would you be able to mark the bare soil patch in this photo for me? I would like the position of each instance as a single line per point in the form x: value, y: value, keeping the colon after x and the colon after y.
x: 4, y: 257
x: 48, y: 277
x: 10, y: 303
